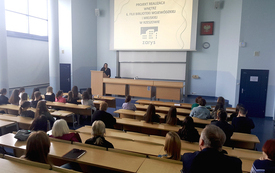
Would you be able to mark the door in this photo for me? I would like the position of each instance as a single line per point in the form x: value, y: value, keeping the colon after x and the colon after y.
x: 65, y: 77
x: 253, y: 91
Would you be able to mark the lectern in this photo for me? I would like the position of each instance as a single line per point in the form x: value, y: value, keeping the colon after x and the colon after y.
x: 97, y: 82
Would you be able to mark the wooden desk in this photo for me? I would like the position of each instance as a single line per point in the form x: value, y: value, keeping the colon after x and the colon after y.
x: 77, y: 109
x: 115, y: 86
x: 13, y: 108
x: 163, y: 109
x: 159, y: 165
x: 6, y: 126
x: 167, y: 104
x: 23, y: 122
x: 168, y: 90
x: 93, y: 157
x: 110, y: 100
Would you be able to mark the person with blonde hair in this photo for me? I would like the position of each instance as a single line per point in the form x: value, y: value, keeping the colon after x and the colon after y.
x: 61, y: 130
x: 104, y: 116
x: 98, y: 131
x: 42, y: 109
x: 14, y: 99
x: 24, y: 97
x: 172, y: 146
x: 50, y: 96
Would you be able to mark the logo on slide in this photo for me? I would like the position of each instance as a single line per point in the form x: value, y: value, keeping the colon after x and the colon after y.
x: 149, y: 32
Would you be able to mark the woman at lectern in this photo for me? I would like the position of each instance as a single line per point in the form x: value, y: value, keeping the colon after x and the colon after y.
x: 106, y: 70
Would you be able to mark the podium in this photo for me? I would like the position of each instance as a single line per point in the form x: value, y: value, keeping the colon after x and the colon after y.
x: 97, y: 82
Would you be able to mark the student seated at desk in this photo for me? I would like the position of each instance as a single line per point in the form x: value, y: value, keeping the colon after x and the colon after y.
x: 59, y: 97
x: 40, y: 124
x: 33, y: 91
x: 201, y: 112
x: 38, y: 147
x: 70, y: 98
x: 21, y: 91
x: 89, y: 91
x: 210, y: 158
x: 14, y: 99
x: 171, y: 117
x: 42, y: 109
x: 172, y: 146
x: 24, y: 97
x: 61, y: 130
x: 98, y: 131
x: 188, y: 131
x: 23, y: 110
x: 128, y: 105
x: 86, y: 101
x: 3, y: 99
x: 76, y: 94
x: 37, y: 98
x: 196, y: 104
x: 266, y: 163
x: 242, y: 123
x: 214, y: 114
x: 236, y: 113
x: 104, y: 116
x: 50, y: 96
x: 221, y: 101
x: 151, y: 115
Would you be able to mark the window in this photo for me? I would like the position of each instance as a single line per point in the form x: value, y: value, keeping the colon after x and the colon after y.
x: 27, y: 19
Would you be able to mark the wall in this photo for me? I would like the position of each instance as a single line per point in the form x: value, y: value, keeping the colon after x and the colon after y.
x: 257, y: 31
x: 84, y: 41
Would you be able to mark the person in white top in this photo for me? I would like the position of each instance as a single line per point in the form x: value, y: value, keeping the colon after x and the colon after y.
x: 128, y: 105
x: 86, y: 101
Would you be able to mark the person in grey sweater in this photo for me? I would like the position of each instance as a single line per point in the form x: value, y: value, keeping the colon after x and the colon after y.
x: 201, y: 111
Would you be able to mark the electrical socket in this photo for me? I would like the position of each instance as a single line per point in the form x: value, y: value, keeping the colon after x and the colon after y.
x: 195, y: 77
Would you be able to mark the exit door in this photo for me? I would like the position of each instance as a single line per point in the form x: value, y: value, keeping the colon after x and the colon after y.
x: 65, y: 77
x: 253, y: 91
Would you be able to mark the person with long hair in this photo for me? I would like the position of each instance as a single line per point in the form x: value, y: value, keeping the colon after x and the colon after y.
x: 24, y: 97
x: 42, y: 109
x: 40, y: 123
x: 76, y: 94
x: 50, y: 96
x: 37, y: 98
x: 267, y: 162
x: 217, y: 107
x: 98, y: 131
x: 61, y: 130
x: 14, y: 99
x: 106, y: 70
x: 59, y: 97
x: 151, y: 115
x: 188, y: 131
x: 236, y: 113
x: 33, y: 91
x: 172, y: 146
x: 21, y: 91
x: 23, y: 109
x: 221, y: 101
x: 70, y: 98
x: 3, y: 99
x: 90, y: 93
x: 171, y: 117
x: 128, y: 105
x: 87, y: 101
x: 38, y: 147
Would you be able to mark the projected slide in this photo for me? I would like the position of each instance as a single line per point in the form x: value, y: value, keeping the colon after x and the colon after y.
x: 155, y: 25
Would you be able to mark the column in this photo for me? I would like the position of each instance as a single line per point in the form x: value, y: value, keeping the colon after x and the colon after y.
x: 4, y: 80
x: 53, y: 30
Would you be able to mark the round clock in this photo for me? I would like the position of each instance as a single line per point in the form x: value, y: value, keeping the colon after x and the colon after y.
x: 206, y: 45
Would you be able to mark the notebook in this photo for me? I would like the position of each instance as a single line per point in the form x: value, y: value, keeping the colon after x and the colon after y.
x: 74, y: 154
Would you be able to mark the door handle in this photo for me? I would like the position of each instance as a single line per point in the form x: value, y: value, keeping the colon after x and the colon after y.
x: 242, y: 90
x: 68, y: 79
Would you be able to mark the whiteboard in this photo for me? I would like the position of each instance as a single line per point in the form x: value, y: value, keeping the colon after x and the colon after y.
x: 164, y: 71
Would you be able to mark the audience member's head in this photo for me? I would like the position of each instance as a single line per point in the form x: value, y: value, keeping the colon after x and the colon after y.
x: 221, y: 115
x: 3, y: 91
x: 238, y: 107
x: 98, y: 130
x: 75, y: 91
x: 38, y: 147
x: 41, y: 108
x: 14, y: 99
x: 188, y: 123
x: 89, y: 91
x: 24, y: 106
x: 212, y: 137
x: 149, y: 113
x: 60, y: 128
x: 37, y: 95
x: 202, y: 102
x: 128, y: 99
x: 242, y: 111
x: 105, y: 65
x: 85, y: 95
x: 40, y: 124
x: 70, y: 96
x: 171, y: 118
x: 218, y: 106
x: 197, y: 99
x: 172, y: 145
x: 21, y: 90
x: 35, y: 89
x: 49, y: 89
x: 269, y: 149
x: 104, y: 106
x: 59, y: 94
x: 221, y: 100
x: 24, y: 97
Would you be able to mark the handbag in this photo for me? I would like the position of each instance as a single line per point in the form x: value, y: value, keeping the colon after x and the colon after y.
x: 22, y: 135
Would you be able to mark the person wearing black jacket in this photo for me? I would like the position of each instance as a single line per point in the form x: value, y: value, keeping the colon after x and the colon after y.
x: 3, y: 99
x: 242, y: 123
x: 104, y: 116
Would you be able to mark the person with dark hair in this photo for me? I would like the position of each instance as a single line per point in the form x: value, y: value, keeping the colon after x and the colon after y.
x: 37, y: 98
x: 106, y: 70
x: 196, y: 104
x: 40, y: 123
x: 188, y: 131
x: 266, y: 163
x: 171, y: 117
x: 151, y: 115
x: 236, y: 113
x: 223, y: 124
x: 87, y: 101
x: 38, y: 147
x: 34, y: 90
x: 210, y: 158
x: 21, y: 91
x: 3, y: 99
x: 217, y: 107
x: 242, y: 123
x: 42, y: 109
x: 59, y: 97
x: 14, y: 99
x: 221, y: 100
x: 50, y: 96
x: 70, y: 98
x: 89, y: 91
x: 23, y: 110
x: 24, y: 97
x: 104, y: 116
x: 201, y: 112
x: 128, y: 105
x: 76, y: 94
